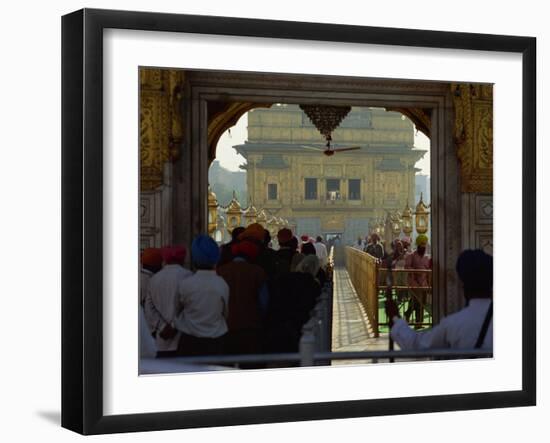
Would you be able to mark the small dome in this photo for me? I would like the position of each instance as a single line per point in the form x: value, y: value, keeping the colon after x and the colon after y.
x: 212, y: 199
x: 234, y: 205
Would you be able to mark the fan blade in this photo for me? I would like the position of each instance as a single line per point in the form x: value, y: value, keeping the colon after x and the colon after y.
x: 313, y: 148
x: 353, y: 148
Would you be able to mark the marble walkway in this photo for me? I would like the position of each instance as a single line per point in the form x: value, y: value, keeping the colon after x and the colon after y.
x: 351, y: 330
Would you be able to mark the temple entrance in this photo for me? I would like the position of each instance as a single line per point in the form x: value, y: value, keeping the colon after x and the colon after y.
x: 458, y: 214
x: 428, y: 105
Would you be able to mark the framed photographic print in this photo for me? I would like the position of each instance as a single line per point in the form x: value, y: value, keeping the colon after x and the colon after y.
x: 270, y: 221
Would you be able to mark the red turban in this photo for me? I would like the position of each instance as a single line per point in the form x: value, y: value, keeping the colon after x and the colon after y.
x: 284, y: 235
x: 151, y: 257
x: 245, y: 248
x: 174, y: 254
x: 305, y: 238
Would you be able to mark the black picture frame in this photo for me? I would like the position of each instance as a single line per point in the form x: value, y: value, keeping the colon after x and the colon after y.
x: 82, y: 191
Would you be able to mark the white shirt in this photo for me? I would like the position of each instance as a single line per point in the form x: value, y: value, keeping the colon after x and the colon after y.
x: 144, y: 278
x: 160, y: 302
x: 147, y: 348
x: 458, y: 331
x: 201, y: 306
x: 321, y: 251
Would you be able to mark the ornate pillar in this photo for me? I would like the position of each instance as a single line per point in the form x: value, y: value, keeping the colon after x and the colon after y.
x: 161, y: 132
x: 473, y: 135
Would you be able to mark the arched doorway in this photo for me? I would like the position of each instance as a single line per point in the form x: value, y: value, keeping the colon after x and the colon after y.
x: 210, y: 87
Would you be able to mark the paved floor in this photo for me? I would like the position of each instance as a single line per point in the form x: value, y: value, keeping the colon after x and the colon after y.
x: 351, y: 330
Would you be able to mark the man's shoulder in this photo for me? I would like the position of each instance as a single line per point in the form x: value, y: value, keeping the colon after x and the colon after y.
x: 189, y: 280
x: 220, y: 284
x: 159, y: 276
x: 183, y: 272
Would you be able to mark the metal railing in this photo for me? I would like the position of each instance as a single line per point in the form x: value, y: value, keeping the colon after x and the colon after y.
x: 315, y: 347
x: 412, y: 287
x: 369, y: 280
x: 307, y: 358
x: 363, y: 273
x: 317, y: 332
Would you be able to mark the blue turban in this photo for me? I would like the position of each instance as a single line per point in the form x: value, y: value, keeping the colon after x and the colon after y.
x: 205, y: 251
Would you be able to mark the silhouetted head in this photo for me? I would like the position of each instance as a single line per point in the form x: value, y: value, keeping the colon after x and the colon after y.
x: 308, y: 249
x: 475, y: 269
x: 236, y: 232
x: 284, y: 236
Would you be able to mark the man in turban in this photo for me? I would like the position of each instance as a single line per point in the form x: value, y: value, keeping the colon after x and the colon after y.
x: 418, y: 281
x: 284, y: 236
x: 266, y: 256
x: 288, y: 245
x: 248, y: 299
x: 160, y: 300
x: 225, y: 250
x: 151, y: 263
x: 254, y: 232
x: 406, y: 244
x: 469, y: 328
x: 321, y: 251
x: 291, y: 307
x: 375, y: 248
x: 201, y: 303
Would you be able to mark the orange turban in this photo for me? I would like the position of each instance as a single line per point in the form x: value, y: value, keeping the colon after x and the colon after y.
x: 151, y: 257
x: 255, y: 231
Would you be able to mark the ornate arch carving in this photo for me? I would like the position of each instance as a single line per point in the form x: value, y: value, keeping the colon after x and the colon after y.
x: 222, y: 116
x: 473, y: 135
x: 421, y: 118
x: 161, y: 122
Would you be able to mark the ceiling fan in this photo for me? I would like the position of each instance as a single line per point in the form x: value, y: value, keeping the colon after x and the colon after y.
x: 326, y: 119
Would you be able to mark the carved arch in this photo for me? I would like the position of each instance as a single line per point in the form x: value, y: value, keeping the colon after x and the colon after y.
x: 221, y: 117
x: 419, y: 116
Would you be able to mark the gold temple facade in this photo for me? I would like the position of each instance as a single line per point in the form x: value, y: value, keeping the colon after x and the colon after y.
x: 288, y: 175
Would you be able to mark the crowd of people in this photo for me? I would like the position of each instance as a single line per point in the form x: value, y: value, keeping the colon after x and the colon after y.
x: 241, y: 298
x: 400, y: 256
x: 469, y: 328
x: 246, y: 297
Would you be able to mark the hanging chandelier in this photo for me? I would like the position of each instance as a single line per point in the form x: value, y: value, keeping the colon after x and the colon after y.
x: 326, y: 118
